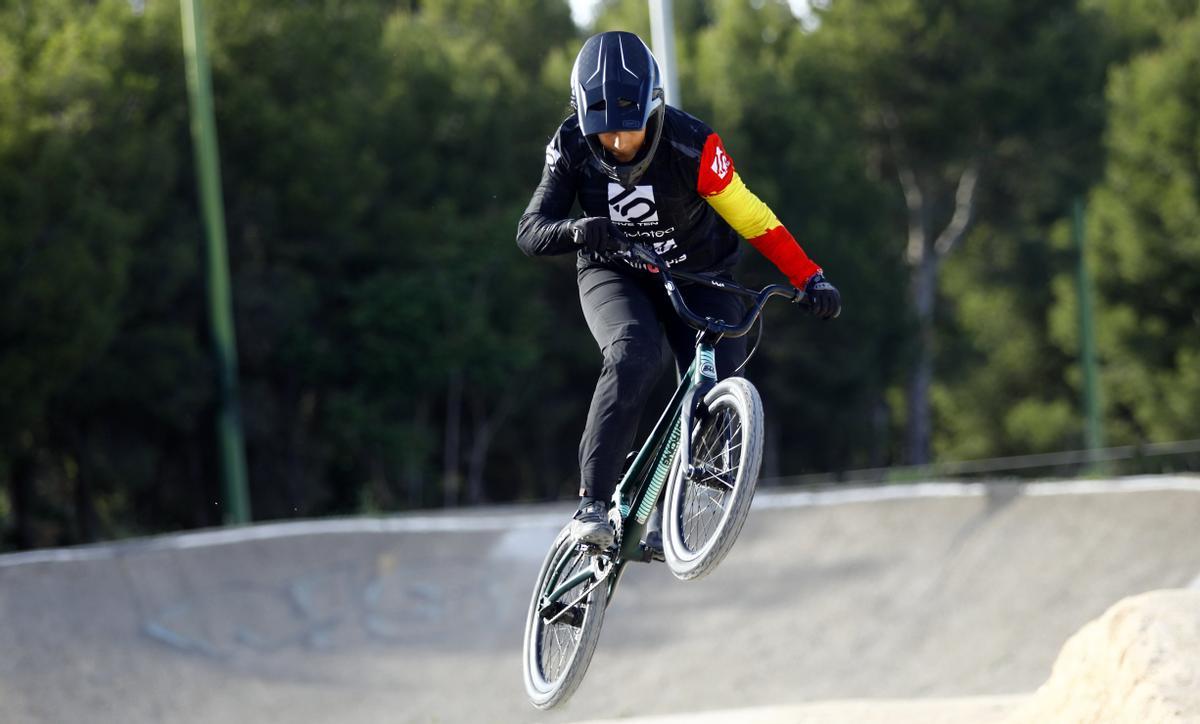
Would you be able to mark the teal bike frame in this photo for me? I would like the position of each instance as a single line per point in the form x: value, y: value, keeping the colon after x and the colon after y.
x: 643, y: 482
x: 642, y: 485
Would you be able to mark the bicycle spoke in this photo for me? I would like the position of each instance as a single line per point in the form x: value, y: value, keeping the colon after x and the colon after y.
x: 719, y: 442
x: 560, y: 639
x: 559, y: 651
x: 717, y: 463
x: 565, y: 649
x: 723, y: 434
x: 716, y: 502
x: 710, y: 499
x: 709, y: 462
x: 731, y: 448
x: 556, y: 662
x: 702, y: 527
x: 699, y: 509
x: 717, y: 477
x: 552, y: 652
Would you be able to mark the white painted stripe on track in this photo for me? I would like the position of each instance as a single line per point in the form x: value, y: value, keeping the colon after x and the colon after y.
x: 496, y: 522
x: 875, y: 494
x: 1143, y: 484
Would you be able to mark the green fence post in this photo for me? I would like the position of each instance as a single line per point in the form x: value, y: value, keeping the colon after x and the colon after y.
x: 1094, y: 430
x: 220, y: 299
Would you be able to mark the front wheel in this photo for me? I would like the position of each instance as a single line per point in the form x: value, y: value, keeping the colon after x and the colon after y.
x: 707, y: 498
x: 561, y: 635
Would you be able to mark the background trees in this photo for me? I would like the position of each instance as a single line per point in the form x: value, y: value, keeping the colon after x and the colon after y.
x: 1145, y: 219
x: 984, y: 113
x: 397, y: 350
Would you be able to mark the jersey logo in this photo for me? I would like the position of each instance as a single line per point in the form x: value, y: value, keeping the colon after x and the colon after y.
x: 552, y: 154
x: 662, y: 248
x: 720, y: 164
x: 635, y: 205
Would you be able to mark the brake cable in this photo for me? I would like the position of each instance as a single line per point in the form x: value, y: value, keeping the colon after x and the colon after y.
x: 757, y: 339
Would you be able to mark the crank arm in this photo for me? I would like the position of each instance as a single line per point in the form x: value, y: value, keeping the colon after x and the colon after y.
x: 599, y: 580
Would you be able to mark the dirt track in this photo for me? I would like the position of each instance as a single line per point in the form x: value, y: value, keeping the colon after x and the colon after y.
x: 916, y: 598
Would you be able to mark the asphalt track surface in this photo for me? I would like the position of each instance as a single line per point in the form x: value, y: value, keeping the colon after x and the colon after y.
x: 904, y: 592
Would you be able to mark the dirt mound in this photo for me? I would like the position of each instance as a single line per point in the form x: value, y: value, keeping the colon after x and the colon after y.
x: 1139, y: 662
x: 969, y: 710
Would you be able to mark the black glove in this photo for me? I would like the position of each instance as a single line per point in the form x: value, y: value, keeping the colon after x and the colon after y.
x: 598, y: 234
x: 823, y: 297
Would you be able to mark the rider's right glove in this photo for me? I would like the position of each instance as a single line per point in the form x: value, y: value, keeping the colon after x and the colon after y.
x: 824, y: 298
x: 598, y: 234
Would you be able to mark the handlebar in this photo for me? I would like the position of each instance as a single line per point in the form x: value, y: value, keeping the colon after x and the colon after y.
x: 655, y: 264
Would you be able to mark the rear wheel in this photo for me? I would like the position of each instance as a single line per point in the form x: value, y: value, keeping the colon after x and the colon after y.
x: 561, y: 636
x: 707, y: 500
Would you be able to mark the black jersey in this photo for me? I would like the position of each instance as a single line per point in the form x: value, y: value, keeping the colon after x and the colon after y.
x: 664, y: 208
x: 691, y: 204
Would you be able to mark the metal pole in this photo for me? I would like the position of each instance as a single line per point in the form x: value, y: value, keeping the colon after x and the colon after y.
x: 220, y: 299
x: 662, y: 36
x: 1087, y: 343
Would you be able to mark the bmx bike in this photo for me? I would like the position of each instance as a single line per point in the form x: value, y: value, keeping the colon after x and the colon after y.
x: 700, y: 462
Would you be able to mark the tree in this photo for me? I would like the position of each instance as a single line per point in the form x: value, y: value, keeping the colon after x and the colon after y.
x: 77, y: 188
x: 788, y: 120
x: 1144, y: 236
x: 962, y: 100
x: 1001, y: 385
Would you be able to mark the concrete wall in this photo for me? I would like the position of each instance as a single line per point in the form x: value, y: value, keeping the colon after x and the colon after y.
x: 907, y: 592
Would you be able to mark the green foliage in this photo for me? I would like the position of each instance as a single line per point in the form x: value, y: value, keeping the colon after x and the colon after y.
x: 397, y: 350
x: 64, y: 245
x: 1012, y: 89
x: 1001, y: 387
x: 87, y: 164
x: 985, y: 77
x: 1144, y: 224
x: 806, y: 160
x: 374, y: 160
x: 1133, y: 26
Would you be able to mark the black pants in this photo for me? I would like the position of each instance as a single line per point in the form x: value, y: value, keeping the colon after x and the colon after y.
x: 630, y: 315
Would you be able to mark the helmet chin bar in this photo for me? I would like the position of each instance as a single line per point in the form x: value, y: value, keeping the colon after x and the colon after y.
x: 628, y: 174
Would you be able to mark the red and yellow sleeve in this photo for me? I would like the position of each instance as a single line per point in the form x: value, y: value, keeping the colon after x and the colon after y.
x: 719, y: 184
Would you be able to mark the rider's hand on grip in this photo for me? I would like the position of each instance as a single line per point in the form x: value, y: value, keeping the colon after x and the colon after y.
x: 598, y: 234
x: 822, y: 297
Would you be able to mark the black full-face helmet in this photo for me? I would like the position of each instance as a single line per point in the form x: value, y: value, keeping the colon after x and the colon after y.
x: 616, y: 86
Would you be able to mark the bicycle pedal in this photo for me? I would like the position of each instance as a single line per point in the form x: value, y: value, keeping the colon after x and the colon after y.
x: 649, y: 554
x: 574, y: 617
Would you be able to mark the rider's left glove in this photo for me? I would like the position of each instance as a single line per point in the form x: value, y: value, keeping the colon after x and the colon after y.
x: 824, y: 299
